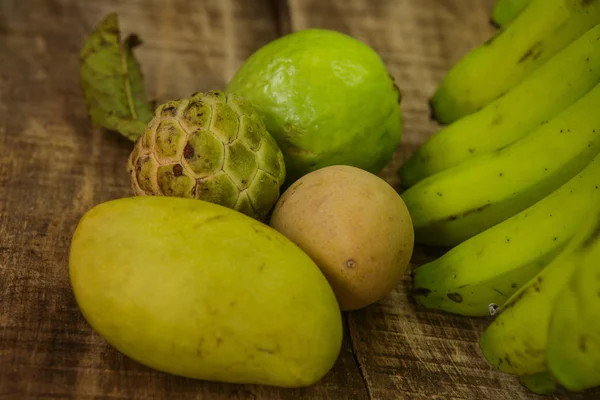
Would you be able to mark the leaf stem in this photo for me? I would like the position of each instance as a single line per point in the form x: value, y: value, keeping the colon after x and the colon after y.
x: 127, y: 82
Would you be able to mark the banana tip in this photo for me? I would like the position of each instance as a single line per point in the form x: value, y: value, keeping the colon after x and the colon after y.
x: 494, y: 23
x: 434, y: 109
x: 432, y: 113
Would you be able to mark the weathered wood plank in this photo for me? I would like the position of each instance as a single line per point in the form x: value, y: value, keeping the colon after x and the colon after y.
x: 54, y: 167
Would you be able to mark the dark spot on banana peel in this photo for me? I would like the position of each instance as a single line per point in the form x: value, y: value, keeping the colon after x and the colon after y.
x: 507, y: 359
x: 177, y: 170
x: 464, y: 214
x: 531, y: 53
x: 421, y: 292
x: 582, y: 344
x: 455, y: 297
x: 513, y: 286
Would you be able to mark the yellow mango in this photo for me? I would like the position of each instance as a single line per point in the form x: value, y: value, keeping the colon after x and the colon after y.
x: 199, y: 290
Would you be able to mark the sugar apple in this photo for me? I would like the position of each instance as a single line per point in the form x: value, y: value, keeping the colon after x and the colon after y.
x: 211, y: 146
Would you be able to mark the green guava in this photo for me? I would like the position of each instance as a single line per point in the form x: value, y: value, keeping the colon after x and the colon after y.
x: 326, y: 98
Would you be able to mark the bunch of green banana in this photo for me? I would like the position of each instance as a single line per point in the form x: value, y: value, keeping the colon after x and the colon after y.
x: 507, y: 10
x: 512, y: 188
x: 536, y: 34
x: 460, y: 202
x: 492, y: 266
x: 549, y: 330
x: 543, y: 94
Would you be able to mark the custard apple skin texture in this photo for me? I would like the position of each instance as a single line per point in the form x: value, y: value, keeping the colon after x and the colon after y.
x: 211, y: 146
x: 326, y: 98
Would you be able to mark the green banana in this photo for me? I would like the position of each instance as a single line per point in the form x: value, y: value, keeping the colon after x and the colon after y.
x: 566, y: 77
x: 460, y: 202
x: 505, y: 11
x: 515, y: 342
x: 491, y: 69
x: 491, y: 266
x: 574, y: 333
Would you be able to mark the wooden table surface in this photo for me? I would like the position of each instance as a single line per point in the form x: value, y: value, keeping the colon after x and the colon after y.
x: 54, y: 167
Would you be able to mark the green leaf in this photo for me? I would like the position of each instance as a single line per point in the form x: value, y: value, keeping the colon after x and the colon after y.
x: 112, y: 81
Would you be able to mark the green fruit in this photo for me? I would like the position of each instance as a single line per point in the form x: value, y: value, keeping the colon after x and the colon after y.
x: 458, y: 203
x: 491, y: 266
x: 326, y: 98
x: 211, y: 147
x: 198, y: 290
x: 574, y: 329
x: 516, y: 341
x: 491, y: 69
x: 544, y: 93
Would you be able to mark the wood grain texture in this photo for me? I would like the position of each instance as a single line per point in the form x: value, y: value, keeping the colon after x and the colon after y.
x: 54, y: 167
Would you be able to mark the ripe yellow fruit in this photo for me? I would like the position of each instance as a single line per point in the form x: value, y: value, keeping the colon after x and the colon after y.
x: 356, y: 228
x: 199, y: 290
